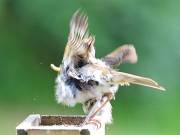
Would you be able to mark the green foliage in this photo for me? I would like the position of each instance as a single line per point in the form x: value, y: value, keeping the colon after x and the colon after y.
x: 33, y: 34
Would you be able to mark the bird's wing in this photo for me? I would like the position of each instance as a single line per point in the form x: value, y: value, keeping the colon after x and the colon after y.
x: 125, y: 53
x: 107, y: 75
x: 125, y: 78
x: 79, y: 39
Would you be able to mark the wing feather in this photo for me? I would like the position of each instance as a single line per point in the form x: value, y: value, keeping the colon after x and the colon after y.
x: 79, y: 39
x: 111, y: 76
x: 125, y: 53
x: 121, y: 77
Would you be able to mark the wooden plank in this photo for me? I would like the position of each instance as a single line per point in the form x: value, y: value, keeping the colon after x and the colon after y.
x: 52, y: 132
x: 57, y: 125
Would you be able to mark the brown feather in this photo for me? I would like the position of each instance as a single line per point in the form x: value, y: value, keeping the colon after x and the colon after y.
x: 125, y: 53
x: 79, y: 39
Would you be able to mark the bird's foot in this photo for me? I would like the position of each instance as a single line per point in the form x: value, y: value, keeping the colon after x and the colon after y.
x: 93, y: 121
x: 96, y: 122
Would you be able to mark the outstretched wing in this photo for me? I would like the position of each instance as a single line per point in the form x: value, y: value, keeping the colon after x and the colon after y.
x: 125, y: 78
x: 79, y: 39
x: 106, y: 75
x: 125, y: 53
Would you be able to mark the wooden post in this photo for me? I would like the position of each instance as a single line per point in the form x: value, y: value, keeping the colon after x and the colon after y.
x: 57, y: 125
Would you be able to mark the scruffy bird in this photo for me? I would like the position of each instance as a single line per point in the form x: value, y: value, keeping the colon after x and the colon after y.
x: 83, y: 78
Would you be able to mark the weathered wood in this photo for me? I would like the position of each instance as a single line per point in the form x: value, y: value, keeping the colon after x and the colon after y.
x: 57, y: 125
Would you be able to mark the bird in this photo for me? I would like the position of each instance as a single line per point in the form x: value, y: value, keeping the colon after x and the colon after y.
x: 93, y: 82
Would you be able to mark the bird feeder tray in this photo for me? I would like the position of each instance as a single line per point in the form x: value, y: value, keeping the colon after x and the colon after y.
x: 57, y: 125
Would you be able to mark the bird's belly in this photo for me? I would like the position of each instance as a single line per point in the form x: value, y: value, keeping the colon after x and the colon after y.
x: 70, y: 98
x: 69, y: 93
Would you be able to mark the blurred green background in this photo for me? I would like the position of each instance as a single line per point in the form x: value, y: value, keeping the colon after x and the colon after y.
x: 33, y: 34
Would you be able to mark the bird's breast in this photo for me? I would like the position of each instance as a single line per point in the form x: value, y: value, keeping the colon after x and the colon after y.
x: 80, y: 84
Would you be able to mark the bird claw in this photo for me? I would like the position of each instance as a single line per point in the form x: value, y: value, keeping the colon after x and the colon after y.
x: 95, y: 122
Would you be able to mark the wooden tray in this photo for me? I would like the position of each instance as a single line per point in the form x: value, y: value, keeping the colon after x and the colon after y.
x: 57, y: 125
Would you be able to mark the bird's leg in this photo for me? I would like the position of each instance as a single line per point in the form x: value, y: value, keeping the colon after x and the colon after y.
x: 55, y: 68
x: 91, y: 112
x: 108, y: 97
x: 94, y: 111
